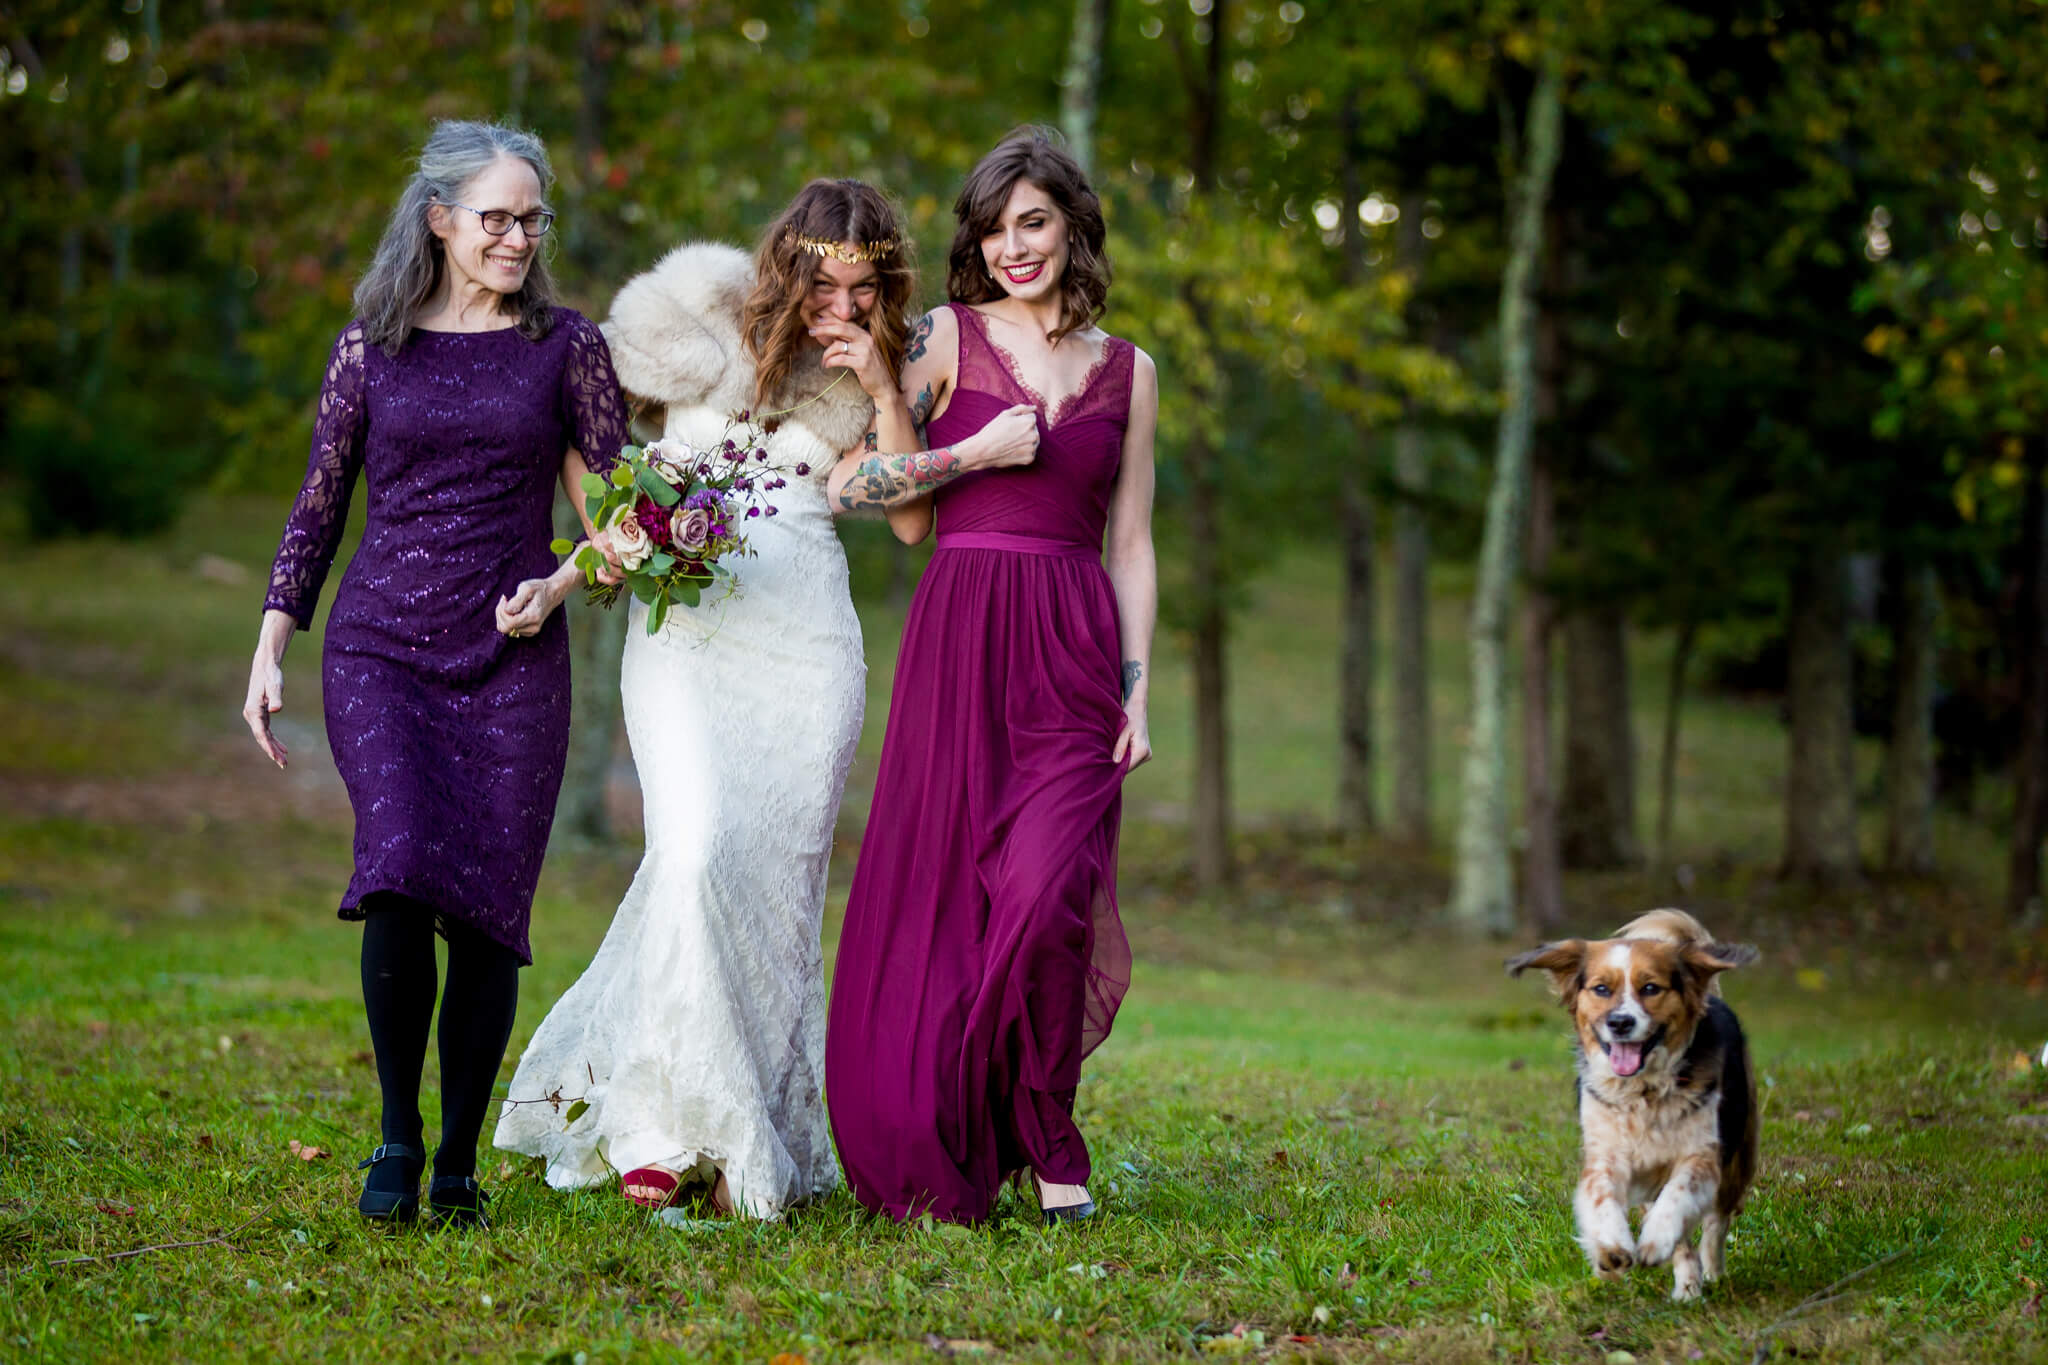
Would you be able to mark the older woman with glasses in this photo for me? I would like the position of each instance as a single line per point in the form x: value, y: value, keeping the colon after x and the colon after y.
x: 465, y: 391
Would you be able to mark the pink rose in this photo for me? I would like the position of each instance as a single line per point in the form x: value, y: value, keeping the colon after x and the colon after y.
x: 630, y: 540
x: 690, y: 529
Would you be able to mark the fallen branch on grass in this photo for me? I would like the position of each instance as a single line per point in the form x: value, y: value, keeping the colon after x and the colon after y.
x: 220, y: 1239
x: 1820, y: 1298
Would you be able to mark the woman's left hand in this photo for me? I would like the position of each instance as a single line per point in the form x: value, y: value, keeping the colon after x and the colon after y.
x: 527, y: 609
x: 848, y: 347
x: 1134, y: 741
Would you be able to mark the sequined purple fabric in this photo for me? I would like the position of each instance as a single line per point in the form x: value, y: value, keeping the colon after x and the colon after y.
x: 450, y: 736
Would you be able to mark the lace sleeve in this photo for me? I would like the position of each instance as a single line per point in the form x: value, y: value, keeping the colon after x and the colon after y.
x: 313, y: 531
x: 590, y: 394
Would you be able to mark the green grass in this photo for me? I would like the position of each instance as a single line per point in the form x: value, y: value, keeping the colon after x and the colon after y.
x: 1316, y: 1119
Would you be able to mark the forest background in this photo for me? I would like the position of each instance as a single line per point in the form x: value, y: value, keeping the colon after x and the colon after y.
x: 1760, y: 363
x: 1602, y: 462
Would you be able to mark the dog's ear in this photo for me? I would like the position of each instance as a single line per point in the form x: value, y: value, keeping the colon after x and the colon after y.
x: 1562, y: 960
x: 1708, y: 960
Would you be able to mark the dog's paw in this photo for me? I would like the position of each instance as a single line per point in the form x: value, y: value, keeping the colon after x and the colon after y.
x: 1685, y: 1288
x: 1654, y: 1250
x: 1612, y: 1262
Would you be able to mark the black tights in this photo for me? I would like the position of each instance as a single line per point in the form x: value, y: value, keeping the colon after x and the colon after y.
x: 476, y: 1022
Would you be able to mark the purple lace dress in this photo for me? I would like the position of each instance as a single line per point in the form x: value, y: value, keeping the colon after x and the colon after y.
x: 449, y: 735
x: 982, y: 957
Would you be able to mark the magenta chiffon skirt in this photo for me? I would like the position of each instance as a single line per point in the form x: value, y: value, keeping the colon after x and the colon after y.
x: 982, y: 957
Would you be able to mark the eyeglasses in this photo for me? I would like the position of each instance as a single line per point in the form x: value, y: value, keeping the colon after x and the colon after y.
x: 498, y: 222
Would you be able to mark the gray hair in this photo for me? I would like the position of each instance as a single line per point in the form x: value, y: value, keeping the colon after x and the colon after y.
x: 407, y: 267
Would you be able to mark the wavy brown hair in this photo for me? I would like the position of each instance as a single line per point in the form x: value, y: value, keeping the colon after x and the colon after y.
x: 1033, y: 154
x: 772, y: 321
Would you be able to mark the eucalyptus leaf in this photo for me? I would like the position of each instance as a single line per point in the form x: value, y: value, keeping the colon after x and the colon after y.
x: 622, y: 475
x: 658, y: 488
x: 689, y: 594
x: 657, y: 614
x: 593, y: 484
x: 561, y: 545
x: 660, y: 562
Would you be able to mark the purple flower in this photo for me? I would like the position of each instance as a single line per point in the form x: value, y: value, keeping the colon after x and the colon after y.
x: 771, y: 511
x: 753, y: 511
x: 690, y: 529
x: 803, y: 471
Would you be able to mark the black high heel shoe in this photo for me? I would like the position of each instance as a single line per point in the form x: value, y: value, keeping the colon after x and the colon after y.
x: 458, y: 1202
x: 400, y: 1205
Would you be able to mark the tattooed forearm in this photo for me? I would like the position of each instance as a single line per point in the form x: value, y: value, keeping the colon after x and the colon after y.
x: 918, y: 337
x: 882, y: 481
x: 1133, y: 671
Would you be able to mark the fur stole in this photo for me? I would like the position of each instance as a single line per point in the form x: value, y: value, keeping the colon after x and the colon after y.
x: 674, y: 333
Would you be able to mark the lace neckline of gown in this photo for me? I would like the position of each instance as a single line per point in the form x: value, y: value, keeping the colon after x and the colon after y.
x: 1054, y: 415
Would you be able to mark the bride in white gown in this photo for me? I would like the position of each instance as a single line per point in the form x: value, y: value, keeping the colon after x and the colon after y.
x: 695, y: 1039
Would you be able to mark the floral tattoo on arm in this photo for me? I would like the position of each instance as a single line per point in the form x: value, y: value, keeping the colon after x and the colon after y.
x: 1133, y: 671
x: 883, y: 481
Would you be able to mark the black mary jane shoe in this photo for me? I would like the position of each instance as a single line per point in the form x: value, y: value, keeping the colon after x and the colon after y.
x: 1069, y: 1213
x: 458, y: 1202
x: 401, y: 1205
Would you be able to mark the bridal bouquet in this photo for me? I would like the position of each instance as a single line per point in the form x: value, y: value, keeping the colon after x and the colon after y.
x: 674, y: 514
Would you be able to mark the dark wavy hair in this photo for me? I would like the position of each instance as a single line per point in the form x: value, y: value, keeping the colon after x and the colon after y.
x: 1034, y: 154
x: 772, y: 320
x: 407, y: 268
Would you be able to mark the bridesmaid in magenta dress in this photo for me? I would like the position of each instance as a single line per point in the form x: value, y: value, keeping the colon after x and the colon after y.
x: 982, y: 958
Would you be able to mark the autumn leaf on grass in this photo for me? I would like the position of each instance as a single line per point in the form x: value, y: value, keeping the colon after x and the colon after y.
x: 305, y: 1151
x: 118, y: 1210
x: 787, y: 1358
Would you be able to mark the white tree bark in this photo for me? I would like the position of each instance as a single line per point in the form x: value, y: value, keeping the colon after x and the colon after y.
x: 1482, y: 894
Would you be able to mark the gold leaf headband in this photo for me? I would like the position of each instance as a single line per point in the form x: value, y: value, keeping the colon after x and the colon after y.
x: 839, y: 251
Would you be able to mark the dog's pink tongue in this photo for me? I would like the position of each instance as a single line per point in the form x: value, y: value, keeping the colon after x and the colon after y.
x: 1625, y: 1058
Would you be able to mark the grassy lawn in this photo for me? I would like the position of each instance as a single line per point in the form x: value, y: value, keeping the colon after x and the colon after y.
x: 1321, y: 1130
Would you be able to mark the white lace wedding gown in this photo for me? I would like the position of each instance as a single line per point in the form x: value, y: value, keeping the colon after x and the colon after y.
x: 696, y: 1037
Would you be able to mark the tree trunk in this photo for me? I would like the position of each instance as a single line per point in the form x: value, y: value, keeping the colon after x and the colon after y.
x: 1667, y: 757
x: 1411, y: 737
x: 1482, y: 895
x: 1359, y: 663
x: 1820, y: 780
x: 1212, y: 833
x: 1081, y: 86
x: 1212, y: 823
x: 522, y: 62
x: 1909, y: 760
x: 1599, y: 819
x: 1355, y: 813
x: 1542, y: 872
x: 2030, y: 788
x: 1411, y: 638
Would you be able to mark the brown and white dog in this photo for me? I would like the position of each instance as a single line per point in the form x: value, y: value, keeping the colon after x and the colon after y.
x: 1667, y: 1100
